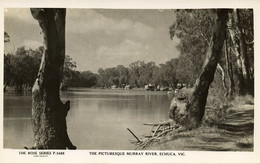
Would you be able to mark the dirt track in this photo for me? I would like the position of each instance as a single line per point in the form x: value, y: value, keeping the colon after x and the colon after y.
x: 235, y: 133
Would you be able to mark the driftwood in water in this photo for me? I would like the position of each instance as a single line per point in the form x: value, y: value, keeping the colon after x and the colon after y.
x: 133, y: 134
x: 157, y: 132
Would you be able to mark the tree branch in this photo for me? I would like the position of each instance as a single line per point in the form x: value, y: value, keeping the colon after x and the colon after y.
x: 248, y: 43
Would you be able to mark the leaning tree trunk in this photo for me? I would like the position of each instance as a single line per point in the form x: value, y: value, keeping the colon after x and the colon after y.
x: 48, y: 112
x: 191, y: 115
x: 221, y: 70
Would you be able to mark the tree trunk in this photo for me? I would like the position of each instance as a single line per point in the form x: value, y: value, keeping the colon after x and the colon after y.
x: 192, y: 115
x: 231, y: 88
x: 223, y: 78
x: 244, y: 81
x: 241, y: 80
x: 5, y: 86
x: 222, y: 72
x: 249, y: 84
x: 48, y: 112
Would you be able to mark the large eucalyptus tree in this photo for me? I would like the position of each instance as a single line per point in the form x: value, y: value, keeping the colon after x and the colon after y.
x: 48, y: 112
x: 191, y: 115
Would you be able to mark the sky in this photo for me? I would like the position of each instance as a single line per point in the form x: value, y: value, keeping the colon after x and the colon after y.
x: 101, y: 38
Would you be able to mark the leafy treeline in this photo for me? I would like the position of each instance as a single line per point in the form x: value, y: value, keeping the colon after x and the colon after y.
x: 21, y: 68
x: 20, y: 72
x: 139, y: 74
x: 74, y: 78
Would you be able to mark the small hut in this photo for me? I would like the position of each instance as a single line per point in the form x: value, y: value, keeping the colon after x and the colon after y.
x: 113, y: 86
x: 128, y: 87
x: 149, y: 87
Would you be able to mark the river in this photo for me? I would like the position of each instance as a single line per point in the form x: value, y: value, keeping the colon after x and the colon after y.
x: 98, y: 118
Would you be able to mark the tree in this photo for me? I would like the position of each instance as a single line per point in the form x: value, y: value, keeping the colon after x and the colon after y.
x: 8, y: 76
x: 142, y: 73
x: 146, y: 71
x: 231, y: 87
x: 20, y: 69
x: 123, y: 75
x: 101, y: 80
x: 69, y: 69
x: 6, y: 37
x: 48, y: 112
x: 245, y: 79
x: 191, y: 115
x: 7, y: 69
x: 135, y: 73
x: 87, y: 79
x: 192, y: 27
x: 185, y: 71
x: 168, y: 73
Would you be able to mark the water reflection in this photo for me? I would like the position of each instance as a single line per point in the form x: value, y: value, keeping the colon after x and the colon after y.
x: 97, y: 120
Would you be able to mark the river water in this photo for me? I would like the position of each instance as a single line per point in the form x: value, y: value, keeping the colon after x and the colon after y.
x: 98, y: 119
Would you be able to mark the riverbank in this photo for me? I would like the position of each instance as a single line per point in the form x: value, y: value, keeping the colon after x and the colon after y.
x: 233, y: 131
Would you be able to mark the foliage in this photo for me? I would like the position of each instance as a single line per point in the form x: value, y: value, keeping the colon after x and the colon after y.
x: 168, y: 73
x: 6, y: 37
x: 142, y: 73
x: 192, y: 27
x: 139, y: 74
x: 247, y: 25
x: 83, y: 79
x: 21, y: 69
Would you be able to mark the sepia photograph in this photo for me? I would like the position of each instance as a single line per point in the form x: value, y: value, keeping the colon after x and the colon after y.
x: 137, y: 80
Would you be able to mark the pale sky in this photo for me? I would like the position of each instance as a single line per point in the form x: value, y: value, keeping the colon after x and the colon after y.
x: 101, y: 38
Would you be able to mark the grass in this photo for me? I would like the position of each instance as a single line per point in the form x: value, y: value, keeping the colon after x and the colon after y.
x: 228, y: 125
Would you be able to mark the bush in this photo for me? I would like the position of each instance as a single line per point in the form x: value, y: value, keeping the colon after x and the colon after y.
x: 240, y: 100
x: 216, y: 107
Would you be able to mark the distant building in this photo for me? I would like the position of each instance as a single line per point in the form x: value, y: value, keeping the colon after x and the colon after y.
x: 149, y: 87
x: 128, y: 87
x: 113, y: 86
x: 180, y: 85
x: 164, y: 89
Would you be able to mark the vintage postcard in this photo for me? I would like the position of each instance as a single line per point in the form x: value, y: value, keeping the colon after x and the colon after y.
x: 129, y: 82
